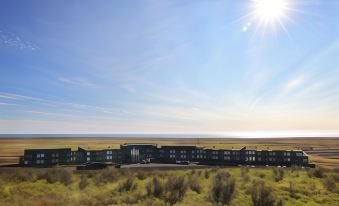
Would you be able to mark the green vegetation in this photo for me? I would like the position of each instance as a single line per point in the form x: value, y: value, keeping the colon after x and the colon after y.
x: 217, y: 186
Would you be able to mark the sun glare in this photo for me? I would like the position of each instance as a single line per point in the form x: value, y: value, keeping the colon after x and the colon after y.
x: 271, y: 10
x: 271, y: 13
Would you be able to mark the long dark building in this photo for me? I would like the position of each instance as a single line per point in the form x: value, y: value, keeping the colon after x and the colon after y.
x: 139, y: 153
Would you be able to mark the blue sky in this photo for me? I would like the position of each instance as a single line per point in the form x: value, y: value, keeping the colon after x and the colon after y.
x: 167, y: 67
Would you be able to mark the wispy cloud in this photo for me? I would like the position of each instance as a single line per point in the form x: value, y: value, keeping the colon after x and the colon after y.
x: 47, y: 113
x: 57, y: 104
x: 7, y: 104
x: 12, y: 40
x: 80, y: 81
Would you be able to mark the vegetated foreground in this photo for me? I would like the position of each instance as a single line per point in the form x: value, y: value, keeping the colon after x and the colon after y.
x: 322, y: 151
x: 234, y: 186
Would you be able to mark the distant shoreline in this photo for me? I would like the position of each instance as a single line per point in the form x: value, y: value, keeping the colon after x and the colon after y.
x: 202, y: 136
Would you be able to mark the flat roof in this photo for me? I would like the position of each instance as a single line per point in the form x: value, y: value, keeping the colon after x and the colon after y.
x: 49, y: 149
x: 139, y: 144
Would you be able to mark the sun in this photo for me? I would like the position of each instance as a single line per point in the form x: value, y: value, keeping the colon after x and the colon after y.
x: 271, y: 13
x: 271, y: 10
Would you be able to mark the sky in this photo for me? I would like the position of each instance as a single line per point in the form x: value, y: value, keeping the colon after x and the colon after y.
x: 185, y: 67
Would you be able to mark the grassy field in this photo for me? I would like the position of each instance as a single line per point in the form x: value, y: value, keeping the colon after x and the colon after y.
x: 322, y: 151
x: 207, y: 187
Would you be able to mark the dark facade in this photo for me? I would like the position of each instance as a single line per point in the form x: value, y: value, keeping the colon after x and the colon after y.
x: 135, y: 153
x: 45, y: 157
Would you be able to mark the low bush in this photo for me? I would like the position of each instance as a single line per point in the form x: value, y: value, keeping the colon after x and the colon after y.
x: 291, y: 189
x: 262, y: 195
x: 244, y: 174
x: 329, y: 184
x: 63, y: 176
x: 278, y: 174
x: 105, y: 176
x: 175, y: 189
x: 317, y: 172
x: 155, y: 188
x: 141, y: 175
x: 223, y: 188
x: 128, y: 185
x: 194, y: 184
x: 207, y: 174
x: 83, y: 182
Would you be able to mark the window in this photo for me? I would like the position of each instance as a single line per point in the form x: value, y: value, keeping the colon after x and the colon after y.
x: 109, y: 152
x: 259, y: 158
x: 40, y: 161
x: 214, y: 152
x: 193, y: 151
x: 172, y: 156
x: 227, y: 158
x: 227, y: 152
x: 88, y: 153
x: 172, y: 151
x: 182, y: 156
x: 183, y: 151
x: 42, y: 155
x: 88, y: 159
x: 299, y: 154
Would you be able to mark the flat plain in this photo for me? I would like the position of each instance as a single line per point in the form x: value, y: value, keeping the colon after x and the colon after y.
x: 322, y: 151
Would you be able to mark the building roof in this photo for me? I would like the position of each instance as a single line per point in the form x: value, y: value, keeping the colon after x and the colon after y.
x: 49, y: 149
x: 139, y: 144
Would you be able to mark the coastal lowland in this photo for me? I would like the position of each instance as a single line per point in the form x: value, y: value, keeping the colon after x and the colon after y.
x: 322, y: 151
x: 179, y: 185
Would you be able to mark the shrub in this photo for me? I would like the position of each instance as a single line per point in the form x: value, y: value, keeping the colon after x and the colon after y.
x: 262, y: 195
x: 18, y: 174
x: 194, y: 184
x: 278, y: 174
x: 262, y: 175
x: 175, y: 188
x: 83, y: 182
x: 63, y: 176
x: 155, y: 188
x: 127, y: 185
x: 132, y: 199
x: 141, y: 175
x: 207, y: 174
x: 105, y: 176
x: 223, y: 188
x: 244, y: 174
x: 329, y: 184
x: 317, y: 172
x: 292, y: 190
x: 336, y: 170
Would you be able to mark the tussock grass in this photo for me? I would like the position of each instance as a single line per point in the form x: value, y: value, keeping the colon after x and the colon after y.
x: 36, y: 187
